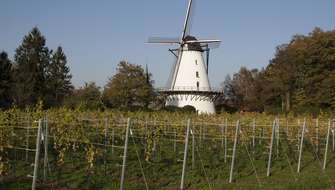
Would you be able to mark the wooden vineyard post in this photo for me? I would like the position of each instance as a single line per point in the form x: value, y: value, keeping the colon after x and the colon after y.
x: 261, y: 136
x: 185, y: 154
x: 222, y: 135
x: 277, y: 137
x: 333, y: 135
x: 301, y: 144
x: 146, y: 128
x: 253, y: 134
x: 175, y: 140
x: 145, y: 135
x: 317, y: 134
x: 204, y: 132
x: 106, y: 133
x: 168, y: 127
x: 27, y: 139
x: 125, y: 155
x: 155, y: 144
x: 200, y: 135
x: 287, y: 131
x: 225, y: 140
x: 37, y: 154
x: 298, y: 133
x: 193, y: 148
x: 234, y: 152
x: 46, y: 144
x: 268, y: 172
x: 113, y: 140
x: 326, y: 149
x: 169, y: 132
x: 105, y: 145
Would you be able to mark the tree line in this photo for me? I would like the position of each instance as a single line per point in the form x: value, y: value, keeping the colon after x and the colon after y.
x: 299, y: 78
x: 38, y: 74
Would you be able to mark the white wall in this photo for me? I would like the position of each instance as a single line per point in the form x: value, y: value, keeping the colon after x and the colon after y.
x: 192, y: 62
x: 202, y: 106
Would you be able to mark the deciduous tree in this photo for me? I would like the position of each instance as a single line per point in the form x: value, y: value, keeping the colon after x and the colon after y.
x: 86, y: 97
x: 130, y: 86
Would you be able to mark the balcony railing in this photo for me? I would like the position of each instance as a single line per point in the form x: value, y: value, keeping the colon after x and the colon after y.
x: 191, y: 88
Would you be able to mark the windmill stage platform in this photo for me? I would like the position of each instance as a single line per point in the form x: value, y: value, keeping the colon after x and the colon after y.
x: 190, y: 93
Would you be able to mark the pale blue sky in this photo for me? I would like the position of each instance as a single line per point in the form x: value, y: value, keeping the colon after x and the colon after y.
x: 96, y: 35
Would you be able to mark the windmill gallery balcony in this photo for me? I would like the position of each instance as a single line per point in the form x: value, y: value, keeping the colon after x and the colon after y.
x: 194, y: 93
x: 190, y: 88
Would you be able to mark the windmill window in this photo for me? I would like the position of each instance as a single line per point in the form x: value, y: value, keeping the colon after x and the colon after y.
x: 197, y: 74
x: 198, y: 85
x: 196, y: 62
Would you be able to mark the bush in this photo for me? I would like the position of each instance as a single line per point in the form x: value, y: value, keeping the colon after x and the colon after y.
x: 189, y: 109
x: 185, y: 109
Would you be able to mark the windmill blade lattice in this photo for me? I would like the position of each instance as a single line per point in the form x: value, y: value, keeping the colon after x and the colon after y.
x: 163, y: 40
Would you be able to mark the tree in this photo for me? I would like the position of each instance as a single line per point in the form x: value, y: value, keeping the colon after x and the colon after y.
x: 228, y: 91
x: 243, y: 91
x: 300, y: 77
x: 32, y: 59
x: 58, y: 78
x: 86, y: 97
x: 227, y: 102
x: 130, y: 86
x: 6, y: 80
x: 317, y: 71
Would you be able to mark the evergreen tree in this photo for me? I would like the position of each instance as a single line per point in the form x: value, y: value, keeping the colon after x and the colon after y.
x: 58, y: 78
x: 6, y: 81
x: 32, y: 59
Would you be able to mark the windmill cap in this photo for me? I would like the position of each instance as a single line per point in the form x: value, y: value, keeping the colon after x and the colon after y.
x: 190, y: 38
x: 195, y: 46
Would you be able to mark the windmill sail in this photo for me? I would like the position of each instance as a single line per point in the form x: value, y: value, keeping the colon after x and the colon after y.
x: 176, y: 69
x: 187, y: 24
x: 186, y: 32
x: 163, y: 40
x: 171, y: 74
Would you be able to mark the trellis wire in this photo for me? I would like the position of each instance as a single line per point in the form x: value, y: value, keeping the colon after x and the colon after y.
x: 204, y: 134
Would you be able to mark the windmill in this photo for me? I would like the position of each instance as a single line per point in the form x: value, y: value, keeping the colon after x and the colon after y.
x: 188, y: 83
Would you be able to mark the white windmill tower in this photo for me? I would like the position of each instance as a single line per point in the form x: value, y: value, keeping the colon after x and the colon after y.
x: 189, y: 83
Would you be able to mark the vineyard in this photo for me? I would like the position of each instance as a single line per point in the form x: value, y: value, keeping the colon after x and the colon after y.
x: 72, y: 149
